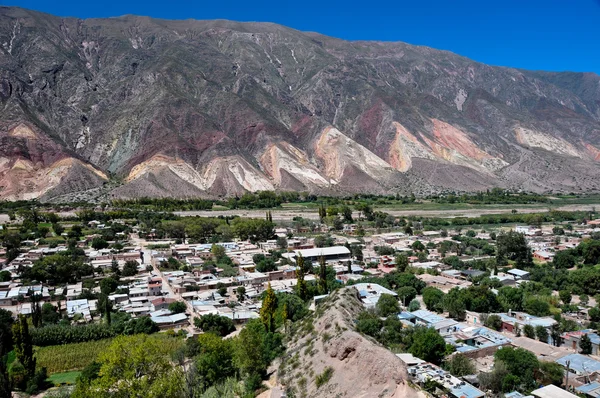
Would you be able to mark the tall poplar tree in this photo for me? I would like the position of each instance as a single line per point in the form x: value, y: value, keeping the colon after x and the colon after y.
x: 301, y: 283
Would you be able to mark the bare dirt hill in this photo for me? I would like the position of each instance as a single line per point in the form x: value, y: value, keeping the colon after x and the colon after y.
x: 327, y: 357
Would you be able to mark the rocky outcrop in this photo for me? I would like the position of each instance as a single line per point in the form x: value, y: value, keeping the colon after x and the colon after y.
x: 217, y: 108
x: 328, y: 344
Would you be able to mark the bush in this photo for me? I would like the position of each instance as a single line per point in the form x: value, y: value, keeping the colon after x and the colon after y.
x: 324, y: 377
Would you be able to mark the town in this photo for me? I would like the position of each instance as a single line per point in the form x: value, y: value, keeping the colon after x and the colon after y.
x: 473, y: 307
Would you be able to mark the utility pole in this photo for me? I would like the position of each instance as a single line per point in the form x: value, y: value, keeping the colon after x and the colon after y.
x: 568, y: 363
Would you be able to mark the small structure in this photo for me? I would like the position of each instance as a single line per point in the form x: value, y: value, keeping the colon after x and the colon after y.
x: 551, y: 391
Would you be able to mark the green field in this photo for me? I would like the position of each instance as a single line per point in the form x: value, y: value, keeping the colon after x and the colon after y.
x: 64, y: 378
x: 76, y: 356
x: 68, y: 357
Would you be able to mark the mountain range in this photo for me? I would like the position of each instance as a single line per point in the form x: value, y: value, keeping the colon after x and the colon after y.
x: 134, y: 106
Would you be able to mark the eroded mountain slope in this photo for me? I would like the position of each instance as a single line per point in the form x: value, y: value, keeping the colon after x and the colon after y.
x: 215, y: 108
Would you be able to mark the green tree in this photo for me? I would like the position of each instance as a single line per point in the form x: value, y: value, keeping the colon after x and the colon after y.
x: 520, y: 363
x: 541, y: 333
x: 177, y: 307
x: 537, y: 306
x: 322, y: 276
x: 23, y: 345
x: 510, y: 298
x: 108, y: 285
x: 213, y: 323
x: 565, y: 296
x: 214, y: 360
x: 130, y: 268
x: 414, y: 305
x: 134, y: 366
x: 387, y: 305
x: 459, y: 365
x: 406, y: 294
x: 550, y: 373
x: 433, y: 299
x: 529, y: 331
x: 217, y: 251
x: 513, y: 246
x: 427, y: 344
x: 455, y: 305
x: 99, y: 243
x: 401, y: 262
x: 585, y: 344
x: 301, y: 287
x: 493, y: 322
x: 268, y: 308
x: 594, y: 314
x: 240, y: 292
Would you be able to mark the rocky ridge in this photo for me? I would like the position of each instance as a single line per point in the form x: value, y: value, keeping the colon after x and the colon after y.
x: 359, y: 367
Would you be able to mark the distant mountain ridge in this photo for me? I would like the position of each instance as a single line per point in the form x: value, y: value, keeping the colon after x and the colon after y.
x: 216, y: 108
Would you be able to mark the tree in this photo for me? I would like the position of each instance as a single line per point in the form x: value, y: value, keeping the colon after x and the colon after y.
x: 301, y: 283
x: 130, y: 268
x: 414, y: 305
x: 537, y: 306
x: 513, y: 246
x: 213, y: 323
x: 99, y: 243
x: 564, y: 259
x: 322, y: 276
x: 594, y: 314
x: 427, y: 344
x: 459, y: 365
x: 585, y: 344
x: 23, y: 345
x: 529, y: 331
x: 347, y: 214
x: 455, y: 305
x: 58, y: 229
x: 268, y: 308
x: 493, y: 322
x: 565, y: 296
x: 550, y: 373
x: 240, y: 292
x: 217, y: 251
x: 108, y: 285
x: 177, y: 307
x: 401, y: 262
x: 406, y: 294
x: 282, y: 242
x: 5, y: 276
x: 541, y: 333
x: 134, y: 366
x: 520, y: 363
x: 387, y: 305
x: 510, y: 298
x: 250, y: 354
x: 433, y: 299
x: 214, y: 360
x: 49, y: 314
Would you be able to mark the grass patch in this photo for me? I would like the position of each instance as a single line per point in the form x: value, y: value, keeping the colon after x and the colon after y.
x: 64, y: 378
x: 324, y: 377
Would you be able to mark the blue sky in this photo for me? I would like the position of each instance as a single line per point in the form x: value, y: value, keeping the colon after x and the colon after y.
x: 555, y: 35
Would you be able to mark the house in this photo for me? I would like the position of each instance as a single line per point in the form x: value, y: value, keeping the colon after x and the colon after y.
x: 369, y: 293
x: 572, y: 339
x: 511, y: 320
x: 162, y: 303
x: 333, y: 253
x: 591, y: 390
x: 155, y: 287
x: 519, y: 274
x: 433, y: 320
x: 579, y: 364
x: 543, y: 255
x: 457, y: 388
x: 551, y: 391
